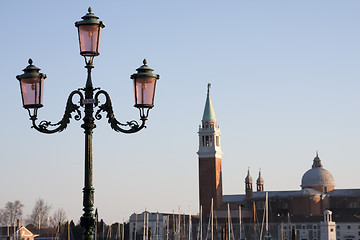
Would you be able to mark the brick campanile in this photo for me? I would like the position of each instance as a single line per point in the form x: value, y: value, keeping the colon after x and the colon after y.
x: 210, y: 173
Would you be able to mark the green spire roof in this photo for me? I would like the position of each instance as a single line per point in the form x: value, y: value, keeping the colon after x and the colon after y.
x: 209, y: 113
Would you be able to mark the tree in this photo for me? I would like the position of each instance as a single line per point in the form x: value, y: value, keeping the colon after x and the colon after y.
x: 59, y: 217
x: 11, y: 212
x: 40, y: 213
x: 4, y: 218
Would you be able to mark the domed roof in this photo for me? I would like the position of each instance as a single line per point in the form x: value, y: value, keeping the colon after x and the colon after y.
x: 317, y: 176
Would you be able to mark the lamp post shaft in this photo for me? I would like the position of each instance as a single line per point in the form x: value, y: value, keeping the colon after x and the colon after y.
x: 88, y: 219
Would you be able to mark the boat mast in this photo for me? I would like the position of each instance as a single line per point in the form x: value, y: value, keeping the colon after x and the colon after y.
x: 123, y: 230
x: 267, y: 213
x: 135, y: 226
x: 240, y: 220
x: 184, y: 231
x: 254, y: 212
x: 110, y: 230
x: 144, y: 225
x: 201, y: 222
x: 68, y: 230
x: 228, y: 207
x: 147, y: 226
x: 167, y: 227
x: 190, y: 223
x: 212, y: 219
x: 157, y: 226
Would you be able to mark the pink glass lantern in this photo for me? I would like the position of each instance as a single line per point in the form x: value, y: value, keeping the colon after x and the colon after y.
x: 31, y: 86
x: 89, y: 30
x: 144, y: 86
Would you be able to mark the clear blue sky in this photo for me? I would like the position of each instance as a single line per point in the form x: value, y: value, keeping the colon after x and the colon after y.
x: 285, y: 83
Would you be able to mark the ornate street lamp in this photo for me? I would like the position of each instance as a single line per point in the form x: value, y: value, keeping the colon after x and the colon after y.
x: 31, y: 86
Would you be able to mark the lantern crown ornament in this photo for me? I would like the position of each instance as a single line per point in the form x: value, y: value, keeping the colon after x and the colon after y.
x: 89, y: 19
x: 31, y: 86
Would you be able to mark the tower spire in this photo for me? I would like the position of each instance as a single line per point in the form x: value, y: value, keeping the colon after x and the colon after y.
x: 209, y: 113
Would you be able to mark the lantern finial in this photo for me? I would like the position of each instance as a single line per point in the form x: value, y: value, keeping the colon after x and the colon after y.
x: 30, y: 61
x: 89, y: 10
x: 144, y: 62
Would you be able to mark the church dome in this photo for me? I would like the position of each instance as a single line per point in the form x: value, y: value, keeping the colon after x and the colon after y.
x: 318, y: 177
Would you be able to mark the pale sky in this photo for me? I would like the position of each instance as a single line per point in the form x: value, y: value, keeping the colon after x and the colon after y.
x: 285, y: 84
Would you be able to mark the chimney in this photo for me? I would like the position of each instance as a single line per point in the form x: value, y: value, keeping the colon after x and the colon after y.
x: 19, y: 223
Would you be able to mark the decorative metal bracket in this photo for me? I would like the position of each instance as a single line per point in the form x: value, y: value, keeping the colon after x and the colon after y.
x: 45, y: 126
x: 62, y: 124
x: 115, y: 124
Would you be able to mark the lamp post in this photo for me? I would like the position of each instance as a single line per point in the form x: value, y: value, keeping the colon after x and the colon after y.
x: 31, y: 86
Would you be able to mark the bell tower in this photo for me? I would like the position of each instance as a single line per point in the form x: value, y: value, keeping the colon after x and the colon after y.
x: 248, y: 185
x: 210, y: 173
x: 260, y: 183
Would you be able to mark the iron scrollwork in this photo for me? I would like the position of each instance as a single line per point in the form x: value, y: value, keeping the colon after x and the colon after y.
x: 63, y: 123
x: 45, y: 126
x: 115, y: 124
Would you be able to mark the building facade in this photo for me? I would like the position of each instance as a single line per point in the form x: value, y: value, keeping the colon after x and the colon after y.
x: 316, y: 211
x: 17, y: 232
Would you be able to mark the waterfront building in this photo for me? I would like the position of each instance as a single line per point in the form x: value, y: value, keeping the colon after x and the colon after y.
x: 17, y: 232
x: 316, y: 211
